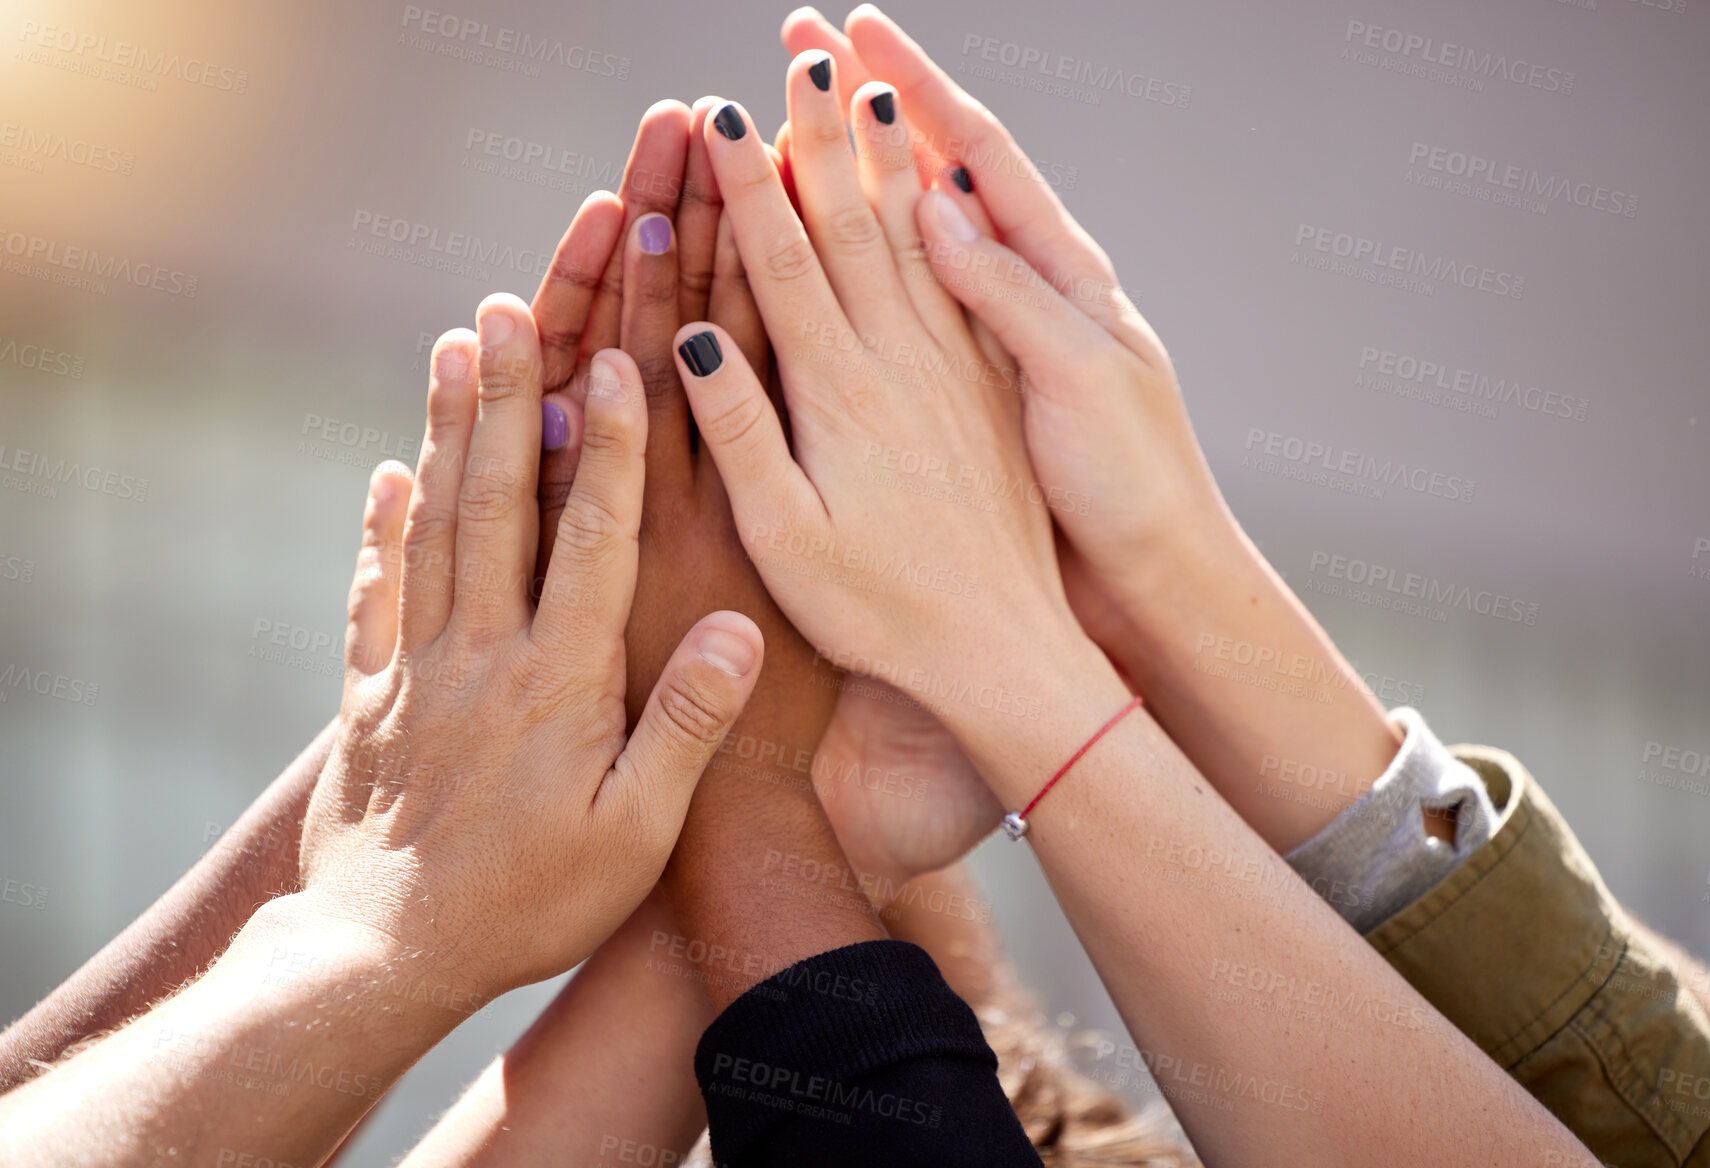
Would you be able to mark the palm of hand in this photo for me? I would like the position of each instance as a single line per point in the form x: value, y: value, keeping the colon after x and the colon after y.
x: 900, y: 793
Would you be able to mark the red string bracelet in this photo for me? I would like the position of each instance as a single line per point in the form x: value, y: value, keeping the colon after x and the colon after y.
x: 1015, y: 823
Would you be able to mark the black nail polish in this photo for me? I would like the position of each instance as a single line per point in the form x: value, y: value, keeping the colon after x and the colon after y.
x: 884, y: 107
x: 963, y: 180
x: 820, y: 73
x: 730, y: 123
x: 702, y: 354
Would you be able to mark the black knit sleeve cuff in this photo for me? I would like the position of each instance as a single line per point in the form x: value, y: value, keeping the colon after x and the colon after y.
x: 799, y: 1042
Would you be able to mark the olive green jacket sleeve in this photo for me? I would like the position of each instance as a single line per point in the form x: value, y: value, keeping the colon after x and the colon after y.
x: 1524, y: 949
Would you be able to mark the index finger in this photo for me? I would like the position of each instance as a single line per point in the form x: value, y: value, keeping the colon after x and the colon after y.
x: 784, y: 273
x: 1027, y: 212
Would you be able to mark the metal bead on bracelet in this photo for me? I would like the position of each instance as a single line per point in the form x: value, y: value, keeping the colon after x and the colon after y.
x: 1015, y: 823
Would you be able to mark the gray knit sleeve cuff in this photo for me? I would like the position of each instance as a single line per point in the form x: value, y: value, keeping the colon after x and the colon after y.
x: 1374, y: 859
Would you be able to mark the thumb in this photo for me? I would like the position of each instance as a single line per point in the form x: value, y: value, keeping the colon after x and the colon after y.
x: 699, y: 695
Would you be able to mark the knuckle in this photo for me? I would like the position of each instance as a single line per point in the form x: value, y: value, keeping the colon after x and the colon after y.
x: 694, y: 712
x: 658, y: 373
x: 736, y: 426
x: 696, y: 281
x: 698, y: 194
x: 485, y: 499
x: 588, y: 528
x: 822, y: 132
x: 864, y: 401
x: 444, y: 407
x: 429, y: 526
x: 912, y: 254
x: 853, y: 227
x: 611, y: 283
x: 504, y: 380
x: 791, y: 260
x: 615, y: 433
x: 657, y: 291
x: 557, y: 339
x: 566, y: 271
x: 555, y: 484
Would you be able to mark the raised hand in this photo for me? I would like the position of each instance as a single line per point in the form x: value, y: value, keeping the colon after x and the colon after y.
x: 481, y: 807
x: 907, y: 537
x: 1156, y: 567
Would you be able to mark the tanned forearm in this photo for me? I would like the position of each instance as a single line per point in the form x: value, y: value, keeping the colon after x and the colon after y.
x: 945, y: 913
x: 276, y: 1052
x: 179, y: 935
x: 605, y: 1074
x: 758, y: 880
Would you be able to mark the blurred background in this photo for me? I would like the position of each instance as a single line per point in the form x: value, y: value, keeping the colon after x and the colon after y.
x: 190, y: 293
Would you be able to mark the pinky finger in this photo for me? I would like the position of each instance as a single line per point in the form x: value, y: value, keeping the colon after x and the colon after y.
x: 372, y: 634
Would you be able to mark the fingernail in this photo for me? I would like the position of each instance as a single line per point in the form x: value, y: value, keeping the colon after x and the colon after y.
x: 956, y: 223
x: 603, y: 379
x: 963, y: 180
x: 554, y: 427
x: 383, y: 485
x: 884, y: 107
x: 451, y: 364
x: 495, y: 328
x: 820, y: 74
x: 726, y: 651
x: 654, y: 231
x: 702, y: 354
x: 729, y: 122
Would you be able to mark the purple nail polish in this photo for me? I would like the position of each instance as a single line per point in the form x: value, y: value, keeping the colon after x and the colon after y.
x: 554, y: 427
x: 655, y: 234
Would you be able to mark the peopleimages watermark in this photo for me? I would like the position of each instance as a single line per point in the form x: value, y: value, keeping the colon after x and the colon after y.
x: 555, y: 168
x: 1506, y: 184
x: 1459, y: 388
x: 256, y: 1067
x: 638, y: 1152
x: 46, y: 683
x: 1700, y: 550
x: 31, y: 148
x: 457, y: 253
x: 34, y: 473
x: 1058, y: 75
x: 946, y: 478
x: 121, y: 61
x: 501, y: 47
x: 16, y: 569
x: 331, y: 440
x: 937, y: 688
x: 1412, y: 593
x: 41, y: 358
x: 1326, y: 465
x: 1446, y: 62
x: 87, y: 268
x: 1675, y: 6
x: 1409, y: 269
x: 1282, y: 990
x: 24, y: 894
x: 232, y: 1158
x: 1177, y: 1076
x: 850, y: 565
x: 1675, y: 768
x: 806, y: 1093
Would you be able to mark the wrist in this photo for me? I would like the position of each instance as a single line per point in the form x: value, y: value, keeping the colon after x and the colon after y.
x: 1064, y: 689
x: 302, y: 944
x: 1177, y: 582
